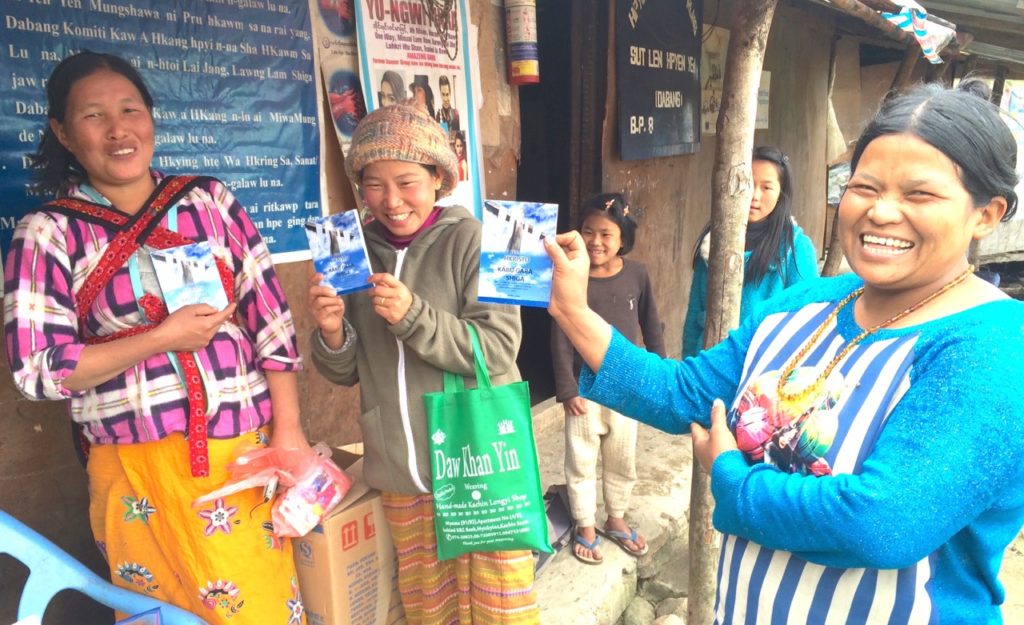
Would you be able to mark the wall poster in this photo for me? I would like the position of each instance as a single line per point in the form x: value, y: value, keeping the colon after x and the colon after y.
x: 334, y: 34
x: 657, y: 53
x: 1013, y: 107
x: 712, y: 72
x: 764, y: 92
x: 712, y: 68
x: 233, y: 82
x: 416, y: 50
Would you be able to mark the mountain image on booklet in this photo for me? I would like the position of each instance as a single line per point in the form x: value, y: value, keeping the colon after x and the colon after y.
x: 514, y: 267
x: 188, y: 275
x: 339, y: 252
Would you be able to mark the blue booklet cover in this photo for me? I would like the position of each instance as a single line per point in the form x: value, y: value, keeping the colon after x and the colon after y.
x: 188, y: 275
x: 339, y: 251
x: 514, y: 266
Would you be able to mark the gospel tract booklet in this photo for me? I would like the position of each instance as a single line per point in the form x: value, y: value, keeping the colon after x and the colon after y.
x: 514, y: 266
x: 188, y: 275
x: 339, y: 251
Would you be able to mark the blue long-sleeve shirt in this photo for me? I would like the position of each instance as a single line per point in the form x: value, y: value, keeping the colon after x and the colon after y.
x: 801, y: 263
x: 924, y: 449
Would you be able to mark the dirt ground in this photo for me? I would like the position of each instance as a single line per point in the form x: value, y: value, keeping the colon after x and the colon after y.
x: 1012, y: 576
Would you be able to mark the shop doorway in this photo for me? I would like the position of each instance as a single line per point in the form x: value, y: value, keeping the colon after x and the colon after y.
x: 560, y: 122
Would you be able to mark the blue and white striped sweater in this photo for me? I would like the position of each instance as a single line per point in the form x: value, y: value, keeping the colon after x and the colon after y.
x: 928, y: 480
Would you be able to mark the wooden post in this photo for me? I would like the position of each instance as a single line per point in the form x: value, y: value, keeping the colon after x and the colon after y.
x: 939, y: 72
x: 906, y: 68
x: 834, y: 256
x: 999, y: 84
x: 730, y: 202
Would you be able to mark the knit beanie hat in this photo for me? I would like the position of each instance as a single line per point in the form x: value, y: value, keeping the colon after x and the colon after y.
x: 402, y: 132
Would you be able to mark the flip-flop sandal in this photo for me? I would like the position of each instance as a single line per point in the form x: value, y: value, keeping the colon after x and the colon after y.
x: 620, y: 538
x: 580, y: 540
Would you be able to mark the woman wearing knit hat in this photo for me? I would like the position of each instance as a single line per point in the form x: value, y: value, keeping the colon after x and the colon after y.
x: 396, y: 339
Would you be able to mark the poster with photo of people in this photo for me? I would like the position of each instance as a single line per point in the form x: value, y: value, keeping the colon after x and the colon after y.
x: 420, y: 53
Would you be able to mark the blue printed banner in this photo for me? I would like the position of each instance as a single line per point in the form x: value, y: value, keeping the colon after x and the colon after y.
x: 233, y: 84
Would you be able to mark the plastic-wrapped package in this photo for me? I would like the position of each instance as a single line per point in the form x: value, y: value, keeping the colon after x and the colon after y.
x: 307, y: 483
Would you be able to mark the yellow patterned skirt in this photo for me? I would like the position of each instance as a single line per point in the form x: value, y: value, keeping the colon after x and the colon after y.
x: 220, y: 560
x: 473, y: 589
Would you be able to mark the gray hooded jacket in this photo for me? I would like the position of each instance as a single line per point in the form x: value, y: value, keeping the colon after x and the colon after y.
x: 396, y: 364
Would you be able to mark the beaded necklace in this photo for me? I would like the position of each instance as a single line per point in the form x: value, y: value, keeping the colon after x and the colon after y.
x: 815, y: 387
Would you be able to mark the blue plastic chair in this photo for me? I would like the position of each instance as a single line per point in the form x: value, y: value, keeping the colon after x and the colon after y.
x: 52, y: 570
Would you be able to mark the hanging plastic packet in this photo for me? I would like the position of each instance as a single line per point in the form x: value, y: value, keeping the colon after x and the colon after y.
x: 304, y: 484
x: 317, y: 489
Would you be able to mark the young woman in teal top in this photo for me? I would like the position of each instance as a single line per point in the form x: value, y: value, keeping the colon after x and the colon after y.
x: 778, y: 254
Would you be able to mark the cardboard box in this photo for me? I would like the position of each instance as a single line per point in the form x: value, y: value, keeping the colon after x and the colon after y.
x: 347, y: 568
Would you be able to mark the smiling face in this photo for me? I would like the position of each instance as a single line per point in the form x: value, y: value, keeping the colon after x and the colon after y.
x: 109, y: 129
x: 446, y: 96
x: 399, y: 194
x: 603, y: 239
x: 906, y: 219
x: 767, y: 189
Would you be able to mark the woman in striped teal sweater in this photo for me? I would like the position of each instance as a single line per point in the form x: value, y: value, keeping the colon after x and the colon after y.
x: 870, y: 466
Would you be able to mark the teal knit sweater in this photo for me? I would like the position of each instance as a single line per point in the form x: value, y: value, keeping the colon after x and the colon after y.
x: 926, y: 488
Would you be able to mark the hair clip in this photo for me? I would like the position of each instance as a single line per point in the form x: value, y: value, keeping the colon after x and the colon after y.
x: 625, y: 211
x: 608, y: 204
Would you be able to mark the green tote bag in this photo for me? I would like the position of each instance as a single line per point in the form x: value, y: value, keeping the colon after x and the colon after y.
x: 486, y: 485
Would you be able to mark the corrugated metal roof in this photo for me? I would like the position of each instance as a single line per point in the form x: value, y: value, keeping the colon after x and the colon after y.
x: 995, y: 25
x: 994, y: 28
x: 1007, y: 11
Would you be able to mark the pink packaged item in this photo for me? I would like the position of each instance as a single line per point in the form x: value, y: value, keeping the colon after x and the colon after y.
x: 310, y: 485
x: 316, y: 491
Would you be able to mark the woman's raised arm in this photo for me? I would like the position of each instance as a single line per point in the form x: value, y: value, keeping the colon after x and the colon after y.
x: 587, y: 331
